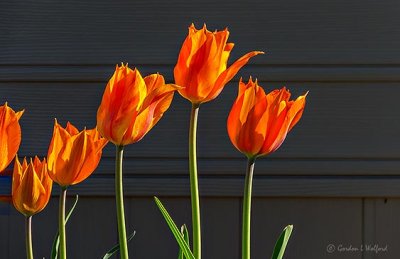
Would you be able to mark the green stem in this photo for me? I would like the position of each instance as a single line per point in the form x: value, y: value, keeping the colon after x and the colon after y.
x: 28, y: 240
x: 119, y: 197
x: 61, y: 223
x: 247, y: 209
x: 194, y: 186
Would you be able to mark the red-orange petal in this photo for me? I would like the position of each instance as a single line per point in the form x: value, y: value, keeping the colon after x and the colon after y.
x: 229, y: 73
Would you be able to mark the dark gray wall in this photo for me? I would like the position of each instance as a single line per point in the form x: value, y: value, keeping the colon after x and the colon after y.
x: 336, y: 177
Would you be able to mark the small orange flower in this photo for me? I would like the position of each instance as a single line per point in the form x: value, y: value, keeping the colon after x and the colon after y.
x: 10, y: 135
x: 73, y: 155
x: 258, y: 123
x: 132, y: 105
x: 202, y: 64
x: 31, y: 186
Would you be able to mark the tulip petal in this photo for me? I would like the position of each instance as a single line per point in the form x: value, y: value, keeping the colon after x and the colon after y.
x: 10, y: 135
x: 297, y: 109
x: 233, y: 122
x: 229, y: 73
x: 71, y: 129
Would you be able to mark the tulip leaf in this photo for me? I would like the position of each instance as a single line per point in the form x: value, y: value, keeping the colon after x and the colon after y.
x: 185, y: 235
x: 184, y: 246
x: 56, y: 242
x: 281, y: 243
x: 115, y: 248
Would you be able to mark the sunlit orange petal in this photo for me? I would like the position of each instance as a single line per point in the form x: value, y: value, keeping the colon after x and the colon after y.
x: 229, y: 73
x: 123, y: 96
x: 10, y: 135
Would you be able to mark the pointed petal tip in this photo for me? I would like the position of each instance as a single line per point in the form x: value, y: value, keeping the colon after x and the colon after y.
x: 257, y: 52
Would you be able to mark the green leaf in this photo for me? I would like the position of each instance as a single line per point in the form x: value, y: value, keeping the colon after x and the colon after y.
x: 115, y: 248
x: 185, y: 235
x: 281, y: 244
x: 175, y: 231
x: 56, y: 242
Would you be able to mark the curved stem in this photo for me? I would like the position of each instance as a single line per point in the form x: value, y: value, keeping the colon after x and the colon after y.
x: 247, y: 209
x: 28, y: 239
x: 61, y: 223
x: 194, y: 189
x: 119, y: 197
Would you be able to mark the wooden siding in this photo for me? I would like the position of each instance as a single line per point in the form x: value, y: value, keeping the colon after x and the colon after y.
x: 336, y: 177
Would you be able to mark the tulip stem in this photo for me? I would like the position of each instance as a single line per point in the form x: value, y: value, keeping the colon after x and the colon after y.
x: 194, y: 188
x: 28, y: 240
x: 119, y: 196
x: 247, y: 208
x: 61, y: 223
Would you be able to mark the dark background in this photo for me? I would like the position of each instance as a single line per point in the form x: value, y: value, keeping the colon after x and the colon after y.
x: 336, y: 177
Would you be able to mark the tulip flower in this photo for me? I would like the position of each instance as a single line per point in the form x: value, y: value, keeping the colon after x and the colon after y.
x: 132, y: 105
x: 257, y: 126
x: 202, y: 64
x: 258, y: 123
x: 10, y: 135
x: 72, y: 157
x: 31, y: 190
x: 130, y: 108
x: 202, y: 71
x: 31, y: 186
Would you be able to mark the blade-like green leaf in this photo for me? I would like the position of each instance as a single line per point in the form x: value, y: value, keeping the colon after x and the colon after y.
x: 185, y: 234
x: 281, y: 243
x: 56, y: 242
x: 115, y: 248
x: 175, y: 231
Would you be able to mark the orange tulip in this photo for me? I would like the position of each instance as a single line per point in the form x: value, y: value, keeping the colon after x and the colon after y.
x: 132, y: 105
x: 31, y: 186
x: 258, y: 123
x: 73, y: 155
x: 10, y: 135
x: 202, y: 64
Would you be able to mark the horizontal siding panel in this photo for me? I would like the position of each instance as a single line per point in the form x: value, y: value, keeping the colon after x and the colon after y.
x: 381, y: 227
x: 151, y: 32
x: 221, y: 231
x: 340, y: 220
x: 223, y: 186
x: 264, y: 72
x: 85, y: 237
x: 341, y: 120
x: 164, y: 167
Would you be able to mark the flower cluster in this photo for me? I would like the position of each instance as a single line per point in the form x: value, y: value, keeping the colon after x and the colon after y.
x: 131, y: 106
